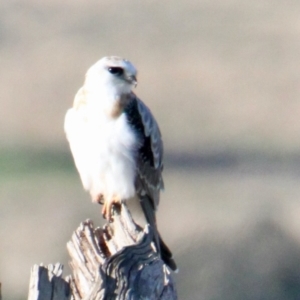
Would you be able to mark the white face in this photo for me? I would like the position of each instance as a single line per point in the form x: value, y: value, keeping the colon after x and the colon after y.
x: 112, y: 72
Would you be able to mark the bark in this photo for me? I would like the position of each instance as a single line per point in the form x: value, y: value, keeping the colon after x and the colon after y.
x: 117, y: 261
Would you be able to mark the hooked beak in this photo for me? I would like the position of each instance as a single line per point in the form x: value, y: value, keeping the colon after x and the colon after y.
x: 132, y: 79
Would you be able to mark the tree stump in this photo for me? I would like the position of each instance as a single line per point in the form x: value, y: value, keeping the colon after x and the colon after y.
x: 117, y: 261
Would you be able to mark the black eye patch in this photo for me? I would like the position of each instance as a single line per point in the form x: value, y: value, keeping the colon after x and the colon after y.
x: 116, y: 70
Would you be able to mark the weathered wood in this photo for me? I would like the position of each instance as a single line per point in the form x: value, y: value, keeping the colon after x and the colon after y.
x: 46, y: 283
x: 118, y: 261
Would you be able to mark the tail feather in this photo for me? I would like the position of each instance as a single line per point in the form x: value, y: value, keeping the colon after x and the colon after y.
x: 161, y: 246
x: 166, y: 255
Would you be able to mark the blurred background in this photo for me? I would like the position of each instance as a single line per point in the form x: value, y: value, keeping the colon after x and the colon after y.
x: 222, y: 78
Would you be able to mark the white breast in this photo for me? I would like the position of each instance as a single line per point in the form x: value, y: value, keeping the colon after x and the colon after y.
x: 104, y: 152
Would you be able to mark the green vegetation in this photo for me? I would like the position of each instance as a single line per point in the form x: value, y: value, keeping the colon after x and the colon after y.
x: 18, y: 162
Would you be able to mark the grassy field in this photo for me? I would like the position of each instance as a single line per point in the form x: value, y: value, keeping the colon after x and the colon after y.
x: 223, y: 80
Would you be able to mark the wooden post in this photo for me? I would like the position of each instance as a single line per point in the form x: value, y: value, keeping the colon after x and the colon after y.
x: 118, y: 261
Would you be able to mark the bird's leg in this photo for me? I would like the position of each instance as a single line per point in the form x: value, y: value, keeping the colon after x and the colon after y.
x: 107, y: 206
x: 97, y: 198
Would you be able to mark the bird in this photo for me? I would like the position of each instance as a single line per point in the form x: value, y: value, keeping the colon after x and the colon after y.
x: 117, y: 145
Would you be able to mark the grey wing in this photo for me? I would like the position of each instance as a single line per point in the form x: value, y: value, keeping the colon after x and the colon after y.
x: 149, y: 159
x: 150, y: 150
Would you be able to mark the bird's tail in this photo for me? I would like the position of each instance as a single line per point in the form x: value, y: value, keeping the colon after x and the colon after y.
x: 166, y: 255
x: 162, y: 248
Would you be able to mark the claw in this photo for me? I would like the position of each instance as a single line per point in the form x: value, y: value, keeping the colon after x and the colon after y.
x: 106, y: 210
x: 107, y: 207
x: 97, y: 198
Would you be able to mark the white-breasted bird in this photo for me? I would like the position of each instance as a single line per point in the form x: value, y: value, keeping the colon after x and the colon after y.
x: 116, y: 143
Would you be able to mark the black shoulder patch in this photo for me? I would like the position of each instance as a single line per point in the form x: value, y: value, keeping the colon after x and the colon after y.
x: 135, y: 121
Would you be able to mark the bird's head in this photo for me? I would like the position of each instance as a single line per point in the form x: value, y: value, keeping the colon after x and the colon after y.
x: 112, y: 72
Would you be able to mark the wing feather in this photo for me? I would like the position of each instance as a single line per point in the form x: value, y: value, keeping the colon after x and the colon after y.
x: 149, y: 154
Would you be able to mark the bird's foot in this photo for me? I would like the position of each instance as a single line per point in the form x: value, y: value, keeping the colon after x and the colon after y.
x: 107, y: 208
x: 97, y: 198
